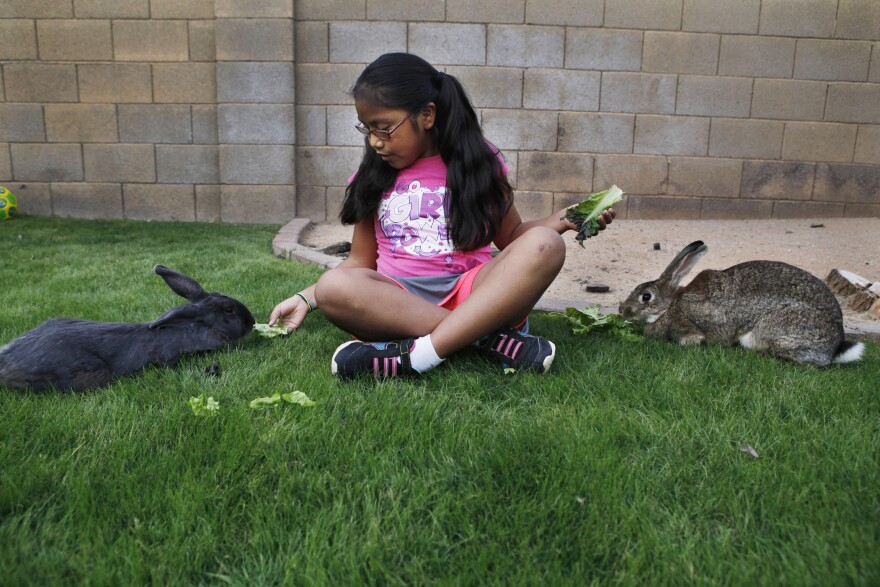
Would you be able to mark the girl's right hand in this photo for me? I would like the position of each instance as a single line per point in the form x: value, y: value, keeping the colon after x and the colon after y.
x: 291, y: 313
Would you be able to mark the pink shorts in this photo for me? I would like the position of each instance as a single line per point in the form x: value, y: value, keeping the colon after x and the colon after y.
x: 460, y: 291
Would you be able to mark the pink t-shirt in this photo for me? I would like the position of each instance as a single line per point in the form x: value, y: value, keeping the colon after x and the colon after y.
x: 411, y: 226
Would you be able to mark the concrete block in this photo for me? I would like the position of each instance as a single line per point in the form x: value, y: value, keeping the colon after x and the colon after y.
x: 159, y: 202
x: 208, y: 207
x: 777, y: 180
x: 784, y: 99
x: 255, y: 82
x: 200, y: 86
x: 326, y: 84
x: 19, y: 40
x: 730, y: 209
x: 491, y: 87
x: 561, y: 89
x: 22, y: 123
x: 81, y: 123
x: 150, y: 40
x: 847, y: 183
x: 714, y: 96
x: 638, y: 93
x: 335, y: 196
x: 258, y: 204
x: 448, y: 43
x: 189, y: 10
x: 254, y: 39
x: 803, y: 18
x: 572, y: 13
x: 204, y: 125
x: 868, y: 145
x: 115, y: 83
x: 603, y: 49
x: 832, y: 60
x: 202, y: 40
x: 331, y: 10
x: 36, y: 9
x: 596, y: 133
x: 555, y: 172
x: 187, y: 164
x: 534, y: 205
x: 751, y: 56
x: 526, y: 46
x: 706, y: 177
x: 311, y: 125
x: 671, y: 135
x: 819, y: 141
x: 257, y: 164
x: 249, y: 8
x: 327, y: 166
x: 311, y: 203
x: 644, y: 14
x: 667, y: 52
x: 406, y: 10
x: 858, y: 19
x: 807, y: 210
x: 746, y: 139
x: 92, y: 200
x: 340, y: 124
x: 262, y: 124
x: 75, y: 40
x: 362, y: 42
x: 5, y: 163
x: 504, y: 11
x: 152, y: 123
x: 845, y: 103
x: 529, y: 130
x: 34, y: 199
x: 112, y: 8
x: 42, y: 162
x: 120, y: 163
x: 40, y: 82
x: 634, y: 174
x: 721, y: 16
x: 662, y: 208
x: 312, y: 41
x: 861, y: 211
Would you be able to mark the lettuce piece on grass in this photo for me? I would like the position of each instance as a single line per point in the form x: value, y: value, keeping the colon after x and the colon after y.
x: 591, y: 319
x: 277, y: 399
x: 204, y: 406
x: 585, y: 215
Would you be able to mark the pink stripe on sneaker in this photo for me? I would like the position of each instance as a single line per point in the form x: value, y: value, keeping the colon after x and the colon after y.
x: 516, y: 350
x: 376, y: 367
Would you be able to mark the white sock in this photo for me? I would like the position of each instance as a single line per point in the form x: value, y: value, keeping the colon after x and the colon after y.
x: 423, y: 357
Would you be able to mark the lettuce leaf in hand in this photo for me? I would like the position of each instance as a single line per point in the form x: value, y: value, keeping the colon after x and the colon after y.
x: 585, y: 215
x: 271, y: 331
x: 591, y: 319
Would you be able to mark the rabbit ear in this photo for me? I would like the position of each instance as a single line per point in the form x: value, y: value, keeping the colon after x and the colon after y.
x: 682, y: 265
x: 181, y: 284
x: 182, y: 314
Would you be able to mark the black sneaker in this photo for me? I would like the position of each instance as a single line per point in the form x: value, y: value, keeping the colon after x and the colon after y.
x: 519, y: 350
x: 379, y: 359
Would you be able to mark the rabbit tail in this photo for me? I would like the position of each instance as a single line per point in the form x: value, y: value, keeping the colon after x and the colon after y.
x: 849, y: 352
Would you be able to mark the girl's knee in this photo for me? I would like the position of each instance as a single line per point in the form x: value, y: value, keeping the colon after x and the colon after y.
x: 333, y: 287
x: 545, y: 243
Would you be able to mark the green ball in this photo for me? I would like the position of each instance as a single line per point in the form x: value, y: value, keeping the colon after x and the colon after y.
x: 8, y: 204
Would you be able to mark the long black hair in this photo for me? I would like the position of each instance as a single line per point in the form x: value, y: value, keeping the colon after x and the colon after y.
x: 478, y: 193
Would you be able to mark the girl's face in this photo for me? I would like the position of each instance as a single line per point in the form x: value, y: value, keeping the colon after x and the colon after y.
x: 408, y: 141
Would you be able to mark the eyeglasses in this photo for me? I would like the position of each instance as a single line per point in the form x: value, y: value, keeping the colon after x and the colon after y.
x: 382, y: 135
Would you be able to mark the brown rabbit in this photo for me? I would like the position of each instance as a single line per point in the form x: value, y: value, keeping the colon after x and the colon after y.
x: 763, y: 305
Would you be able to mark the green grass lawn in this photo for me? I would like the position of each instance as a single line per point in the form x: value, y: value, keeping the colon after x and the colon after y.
x: 621, y: 466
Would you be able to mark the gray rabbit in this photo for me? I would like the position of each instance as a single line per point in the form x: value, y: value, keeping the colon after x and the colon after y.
x: 763, y: 305
x: 77, y: 355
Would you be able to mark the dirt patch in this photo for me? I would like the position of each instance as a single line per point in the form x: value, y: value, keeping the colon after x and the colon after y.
x: 627, y: 254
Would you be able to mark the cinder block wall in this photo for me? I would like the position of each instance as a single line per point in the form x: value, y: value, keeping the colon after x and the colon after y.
x: 697, y: 108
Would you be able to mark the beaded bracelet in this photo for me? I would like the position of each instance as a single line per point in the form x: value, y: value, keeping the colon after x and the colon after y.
x: 305, y: 299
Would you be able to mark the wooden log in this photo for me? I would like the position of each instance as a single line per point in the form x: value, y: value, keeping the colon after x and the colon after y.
x: 846, y: 283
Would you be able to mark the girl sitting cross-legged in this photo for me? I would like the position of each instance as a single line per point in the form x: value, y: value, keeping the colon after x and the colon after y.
x: 429, y: 198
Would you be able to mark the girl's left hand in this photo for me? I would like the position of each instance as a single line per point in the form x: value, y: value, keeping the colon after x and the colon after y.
x: 606, y: 218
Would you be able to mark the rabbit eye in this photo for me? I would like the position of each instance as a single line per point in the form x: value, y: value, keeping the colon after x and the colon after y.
x: 647, y: 297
